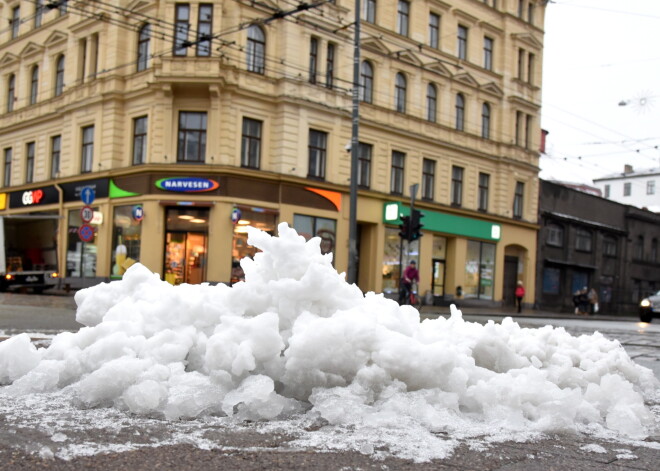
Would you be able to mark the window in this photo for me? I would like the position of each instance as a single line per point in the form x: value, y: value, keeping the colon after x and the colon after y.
x: 144, y: 40
x: 519, y: 124
x: 431, y: 103
x: 313, y: 59
x: 81, y: 256
x: 7, y: 172
x: 518, y: 199
x: 87, y: 154
x: 15, y: 21
x: 583, y: 240
x: 456, y: 185
x: 531, y: 59
x: 638, y: 251
x: 396, y: 174
x: 181, y: 27
x: 484, y: 183
x: 126, y: 239
x: 402, y: 17
x: 59, y: 76
x: 251, y: 143
x: 654, y: 250
x: 488, y: 53
x: 650, y: 187
x: 400, y: 93
x: 462, y: 42
x: 11, y: 92
x: 627, y: 189
x: 485, y: 121
x: 369, y: 11
x: 609, y: 246
x: 460, y: 112
x: 530, y: 12
x: 434, y: 30
x: 34, y: 85
x: 310, y: 226
x: 55, y: 150
x: 528, y: 131
x: 29, y: 162
x: 607, y: 191
x: 318, y: 142
x: 364, y: 165
x: 256, y: 50
x: 521, y: 63
x: 63, y: 7
x: 192, y: 137
x: 330, y: 66
x: 555, y: 235
x: 139, y: 140
x: 204, y: 29
x: 428, y: 179
x: 521, y: 8
x: 38, y: 12
x: 366, y: 82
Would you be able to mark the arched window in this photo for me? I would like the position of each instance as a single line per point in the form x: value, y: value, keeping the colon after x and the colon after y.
x: 34, y: 85
x: 400, y: 87
x: 366, y: 82
x: 431, y: 103
x: 11, y: 92
x: 59, y: 76
x: 256, y: 50
x: 144, y: 40
x: 485, y: 121
x: 460, y: 112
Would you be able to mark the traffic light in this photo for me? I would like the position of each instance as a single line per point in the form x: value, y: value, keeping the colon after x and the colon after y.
x: 415, y: 225
x: 404, y: 233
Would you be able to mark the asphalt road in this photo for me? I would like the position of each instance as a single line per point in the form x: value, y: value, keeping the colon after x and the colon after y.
x: 248, y: 448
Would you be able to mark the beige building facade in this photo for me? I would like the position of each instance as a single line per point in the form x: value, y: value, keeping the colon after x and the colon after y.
x: 179, y: 123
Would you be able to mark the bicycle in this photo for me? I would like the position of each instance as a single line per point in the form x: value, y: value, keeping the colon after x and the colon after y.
x: 410, y: 296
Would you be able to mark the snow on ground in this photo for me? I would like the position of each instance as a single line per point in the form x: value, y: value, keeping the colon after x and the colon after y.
x: 295, y: 349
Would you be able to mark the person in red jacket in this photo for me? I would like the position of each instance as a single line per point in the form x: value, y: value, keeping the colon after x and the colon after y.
x: 520, y: 294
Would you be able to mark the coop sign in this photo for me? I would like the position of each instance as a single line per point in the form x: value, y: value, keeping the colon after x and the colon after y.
x: 187, y: 184
x: 32, y: 197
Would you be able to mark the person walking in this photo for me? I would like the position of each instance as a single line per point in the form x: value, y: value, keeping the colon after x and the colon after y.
x: 593, y: 301
x: 520, y: 294
x: 410, y: 274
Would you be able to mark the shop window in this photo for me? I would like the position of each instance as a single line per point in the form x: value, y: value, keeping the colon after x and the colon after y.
x: 260, y: 218
x: 551, y: 279
x: 192, y: 137
x: 479, y: 270
x: 81, y: 256
x: 186, y: 241
x: 311, y: 226
x: 393, y: 258
x: 126, y: 238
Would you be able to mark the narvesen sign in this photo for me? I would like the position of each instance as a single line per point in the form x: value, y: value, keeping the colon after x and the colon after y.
x: 187, y: 184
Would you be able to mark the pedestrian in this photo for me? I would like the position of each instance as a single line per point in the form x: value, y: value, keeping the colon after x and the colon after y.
x: 520, y: 294
x: 593, y: 301
x: 410, y: 274
x: 581, y: 302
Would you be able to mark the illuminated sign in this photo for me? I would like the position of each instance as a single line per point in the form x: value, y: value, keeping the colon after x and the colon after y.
x: 187, y: 184
x: 32, y: 197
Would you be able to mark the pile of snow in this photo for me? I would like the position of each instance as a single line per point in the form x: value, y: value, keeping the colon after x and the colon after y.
x: 296, y: 342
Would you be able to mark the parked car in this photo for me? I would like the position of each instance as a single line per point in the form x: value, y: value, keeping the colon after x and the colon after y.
x: 650, y: 308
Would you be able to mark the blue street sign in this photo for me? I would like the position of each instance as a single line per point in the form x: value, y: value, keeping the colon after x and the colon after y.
x: 87, y: 195
x: 138, y: 213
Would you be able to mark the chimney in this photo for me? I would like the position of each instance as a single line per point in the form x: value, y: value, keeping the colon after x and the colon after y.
x: 627, y: 168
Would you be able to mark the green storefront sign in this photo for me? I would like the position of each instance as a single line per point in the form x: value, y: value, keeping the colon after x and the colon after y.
x: 446, y: 223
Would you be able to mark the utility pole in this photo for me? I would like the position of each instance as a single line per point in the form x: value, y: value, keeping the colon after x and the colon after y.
x: 355, y: 144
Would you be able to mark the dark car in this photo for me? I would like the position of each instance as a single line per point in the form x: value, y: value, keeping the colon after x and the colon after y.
x: 650, y: 308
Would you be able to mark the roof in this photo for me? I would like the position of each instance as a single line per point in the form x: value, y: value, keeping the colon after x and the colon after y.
x: 635, y: 173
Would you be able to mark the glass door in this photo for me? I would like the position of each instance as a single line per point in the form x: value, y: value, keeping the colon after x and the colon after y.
x: 185, y: 257
x: 438, y: 277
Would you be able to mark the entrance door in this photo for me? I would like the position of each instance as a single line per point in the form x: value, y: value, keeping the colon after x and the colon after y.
x: 185, y: 257
x: 510, y: 280
x: 438, y: 284
x: 186, y: 240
